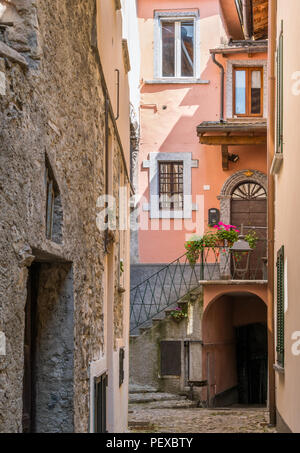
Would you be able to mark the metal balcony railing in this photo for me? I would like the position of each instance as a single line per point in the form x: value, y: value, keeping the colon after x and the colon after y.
x: 178, y: 279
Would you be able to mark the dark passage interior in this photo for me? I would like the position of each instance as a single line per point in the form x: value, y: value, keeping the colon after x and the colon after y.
x: 235, y: 350
x: 252, y: 363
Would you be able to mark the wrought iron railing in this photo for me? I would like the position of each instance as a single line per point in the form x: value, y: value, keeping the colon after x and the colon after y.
x: 178, y: 279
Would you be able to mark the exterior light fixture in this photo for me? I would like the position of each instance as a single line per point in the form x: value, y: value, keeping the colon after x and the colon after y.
x: 241, y: 252
x: 233, y: 158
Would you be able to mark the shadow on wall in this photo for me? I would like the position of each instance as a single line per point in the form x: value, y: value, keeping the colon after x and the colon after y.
x: 233, y: 363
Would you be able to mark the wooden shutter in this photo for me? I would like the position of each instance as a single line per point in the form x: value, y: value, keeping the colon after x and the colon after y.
x: 280, y: 307
x: 121, y: 366
x: 101, y: 384
x: 279, y: 125
x: 170, y: 353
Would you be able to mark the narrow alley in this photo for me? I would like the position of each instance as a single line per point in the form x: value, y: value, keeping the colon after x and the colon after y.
x: 166, y: 413
x: 148, y: 220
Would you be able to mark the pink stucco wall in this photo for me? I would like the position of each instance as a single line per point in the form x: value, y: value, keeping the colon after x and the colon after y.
x: 173, y: 129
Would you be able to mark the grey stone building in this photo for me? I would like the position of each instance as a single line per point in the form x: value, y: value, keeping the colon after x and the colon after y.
x: 65, y: 351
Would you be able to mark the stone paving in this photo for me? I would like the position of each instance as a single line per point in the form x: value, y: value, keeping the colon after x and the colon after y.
x: 183, y: 417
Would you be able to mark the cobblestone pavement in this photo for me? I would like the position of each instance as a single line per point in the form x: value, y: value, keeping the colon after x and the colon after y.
x: 184, y: 418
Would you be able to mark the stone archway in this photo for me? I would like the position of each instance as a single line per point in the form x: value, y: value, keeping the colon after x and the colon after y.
x: 254, y: 176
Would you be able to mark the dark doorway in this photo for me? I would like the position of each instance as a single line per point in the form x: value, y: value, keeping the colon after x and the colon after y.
x: 252, y: 363
x: 249, y: 209
x: 48, y: 381
x: 100, y: 404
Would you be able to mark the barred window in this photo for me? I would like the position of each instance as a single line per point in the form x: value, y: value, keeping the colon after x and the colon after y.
x: 171, y: 186
x: 54, y: 211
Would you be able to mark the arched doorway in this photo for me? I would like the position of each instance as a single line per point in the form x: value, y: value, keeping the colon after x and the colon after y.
x: 243, y: 201
x: 249, y: 213
x: 235, y: 350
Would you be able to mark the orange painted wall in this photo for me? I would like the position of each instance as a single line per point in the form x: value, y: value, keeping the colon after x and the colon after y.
x: 174, y: 129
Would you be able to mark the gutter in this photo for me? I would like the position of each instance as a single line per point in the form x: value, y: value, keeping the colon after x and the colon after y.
x: 233, y: 50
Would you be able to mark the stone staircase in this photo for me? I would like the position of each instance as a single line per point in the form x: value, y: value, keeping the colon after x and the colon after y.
x: 146, y: 395
x: 166, y: 313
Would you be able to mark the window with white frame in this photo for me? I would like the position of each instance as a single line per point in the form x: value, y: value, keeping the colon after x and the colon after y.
x: 176, y: 49
x: 170, y: 177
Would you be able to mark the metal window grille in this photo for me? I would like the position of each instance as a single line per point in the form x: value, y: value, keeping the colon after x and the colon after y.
x: 49, y: 203
x: 280, y: 307
x: 171, y: 185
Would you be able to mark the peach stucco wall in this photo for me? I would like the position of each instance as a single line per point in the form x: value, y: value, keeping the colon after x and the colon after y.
x: 110, y: 34
x: 173, y: 129
x: 287, y: 213
x: 224, y: 312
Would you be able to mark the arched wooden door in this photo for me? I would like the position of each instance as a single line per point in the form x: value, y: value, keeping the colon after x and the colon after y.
x: 249, y: 209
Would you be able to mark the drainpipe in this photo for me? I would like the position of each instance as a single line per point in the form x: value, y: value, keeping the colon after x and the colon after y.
x: 271, y: 208
x: 222, y: 86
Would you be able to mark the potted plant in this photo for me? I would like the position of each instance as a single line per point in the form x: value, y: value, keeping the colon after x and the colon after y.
x: 179, y: 313
x: 223, y: 236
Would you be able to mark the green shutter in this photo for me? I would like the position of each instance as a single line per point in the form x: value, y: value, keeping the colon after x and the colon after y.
x: 280, y: 307
x: 279, y: 121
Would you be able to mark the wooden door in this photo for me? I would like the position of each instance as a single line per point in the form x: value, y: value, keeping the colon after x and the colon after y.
x: 249, y: 209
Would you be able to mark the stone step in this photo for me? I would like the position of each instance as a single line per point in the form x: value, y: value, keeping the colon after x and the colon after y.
x: 171, y: 404
x: 137, y: 388
x: 137, y: 398
x: 133, y: 336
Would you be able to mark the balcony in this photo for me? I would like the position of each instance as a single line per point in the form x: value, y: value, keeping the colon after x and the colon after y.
x: 172, y: 283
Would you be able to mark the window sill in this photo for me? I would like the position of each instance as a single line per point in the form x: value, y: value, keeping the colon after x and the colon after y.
x: 279, y: 369
x: 247, y: 119
x: 177, y: 81
x: 170, y: 214
x: 276, y: 164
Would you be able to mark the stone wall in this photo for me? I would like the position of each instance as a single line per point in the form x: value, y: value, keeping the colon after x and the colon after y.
x: 148, y: 372
x: 53, y: 106
x: 54, y: 358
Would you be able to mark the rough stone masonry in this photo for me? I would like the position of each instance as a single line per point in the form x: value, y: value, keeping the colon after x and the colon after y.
x: 51, y: 110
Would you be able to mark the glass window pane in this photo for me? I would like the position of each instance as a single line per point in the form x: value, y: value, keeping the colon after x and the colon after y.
x: 256, y: 92
x: 240, y: 92
x: 168, y: 49
x: 187, y: 49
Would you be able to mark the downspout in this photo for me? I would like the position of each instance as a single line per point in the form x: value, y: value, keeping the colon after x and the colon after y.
x: 222, y: 86
x: 271, y: 200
